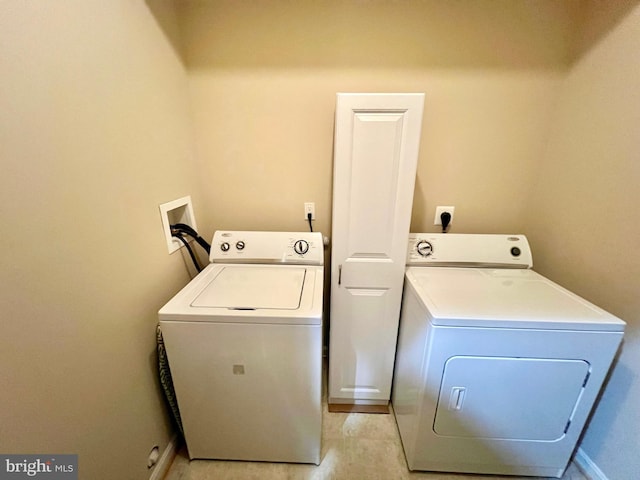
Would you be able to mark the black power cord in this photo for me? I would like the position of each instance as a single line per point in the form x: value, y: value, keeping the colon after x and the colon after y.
x: 445, y: 218
x: 309, y: 218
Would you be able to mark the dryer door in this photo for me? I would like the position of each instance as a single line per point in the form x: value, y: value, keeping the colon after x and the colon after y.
x: 509, y: 398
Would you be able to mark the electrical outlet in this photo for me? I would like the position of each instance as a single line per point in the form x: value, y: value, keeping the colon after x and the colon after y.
x: 154, y: 455
x: 439, y: 211
x: 310, y: 208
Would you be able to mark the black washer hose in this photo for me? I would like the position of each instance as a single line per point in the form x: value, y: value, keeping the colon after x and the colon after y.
x: 193, y: 257
x: 181, y: 228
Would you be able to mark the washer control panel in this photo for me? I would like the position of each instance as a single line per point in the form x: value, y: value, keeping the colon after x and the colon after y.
x: 469, y: 250
x: 267, y: 247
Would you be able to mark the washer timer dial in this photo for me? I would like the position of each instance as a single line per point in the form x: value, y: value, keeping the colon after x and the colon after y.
x: 301, y: 247
x: 424, y: 248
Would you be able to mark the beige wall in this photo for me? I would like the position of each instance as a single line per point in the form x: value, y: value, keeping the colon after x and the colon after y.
x: 94, y: 135
x: 263, y: 78
x: 583, y: 219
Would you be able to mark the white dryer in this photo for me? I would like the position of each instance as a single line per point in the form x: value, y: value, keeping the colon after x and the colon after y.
x: 497, y: 367
x: 244, y: 345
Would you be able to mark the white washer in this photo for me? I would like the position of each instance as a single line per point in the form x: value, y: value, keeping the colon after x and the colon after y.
x: 497, y: 367
x: 244, y: 344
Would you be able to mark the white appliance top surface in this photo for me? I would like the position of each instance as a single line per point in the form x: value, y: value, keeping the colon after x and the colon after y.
x: 251, y: 287
x: 284, y: 294
x: 504, y: 298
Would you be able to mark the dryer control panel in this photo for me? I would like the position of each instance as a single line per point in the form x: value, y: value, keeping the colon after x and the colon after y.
x: 301, y: 248
x: 469, y: 250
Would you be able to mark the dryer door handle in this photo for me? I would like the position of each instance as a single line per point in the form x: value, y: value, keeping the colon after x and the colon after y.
x: 457, y: 398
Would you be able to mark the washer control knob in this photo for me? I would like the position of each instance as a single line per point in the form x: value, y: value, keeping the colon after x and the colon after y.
x: 224, y: 247
x: 240, y: 245
x: 424, y: 248
x: 301, y: 247
x: 515, y: 251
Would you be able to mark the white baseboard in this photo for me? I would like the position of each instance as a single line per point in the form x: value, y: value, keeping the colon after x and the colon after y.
x: 166, y: 459
x: 587, y: 466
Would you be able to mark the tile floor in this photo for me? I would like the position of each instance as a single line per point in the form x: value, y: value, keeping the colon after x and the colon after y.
x: 355, y: 446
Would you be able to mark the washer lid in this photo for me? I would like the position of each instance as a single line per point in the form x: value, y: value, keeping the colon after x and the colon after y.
x: 252, y: 288
x: 504, y: 298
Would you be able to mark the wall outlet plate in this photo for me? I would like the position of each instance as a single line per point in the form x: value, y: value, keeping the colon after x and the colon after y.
x: 310, y: 208
x: 439, y: 211
x: 177, y: 211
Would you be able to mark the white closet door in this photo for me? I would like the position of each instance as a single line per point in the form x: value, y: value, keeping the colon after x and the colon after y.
x: 375, y: 157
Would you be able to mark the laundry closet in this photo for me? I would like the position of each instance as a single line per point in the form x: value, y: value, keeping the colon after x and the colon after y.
x: 530, y: 125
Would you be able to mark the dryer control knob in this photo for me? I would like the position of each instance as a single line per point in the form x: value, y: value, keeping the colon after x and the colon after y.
x: 301, y: 247
x: 224, y: 247
x: 424, y: 248
x: 240, y: 245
